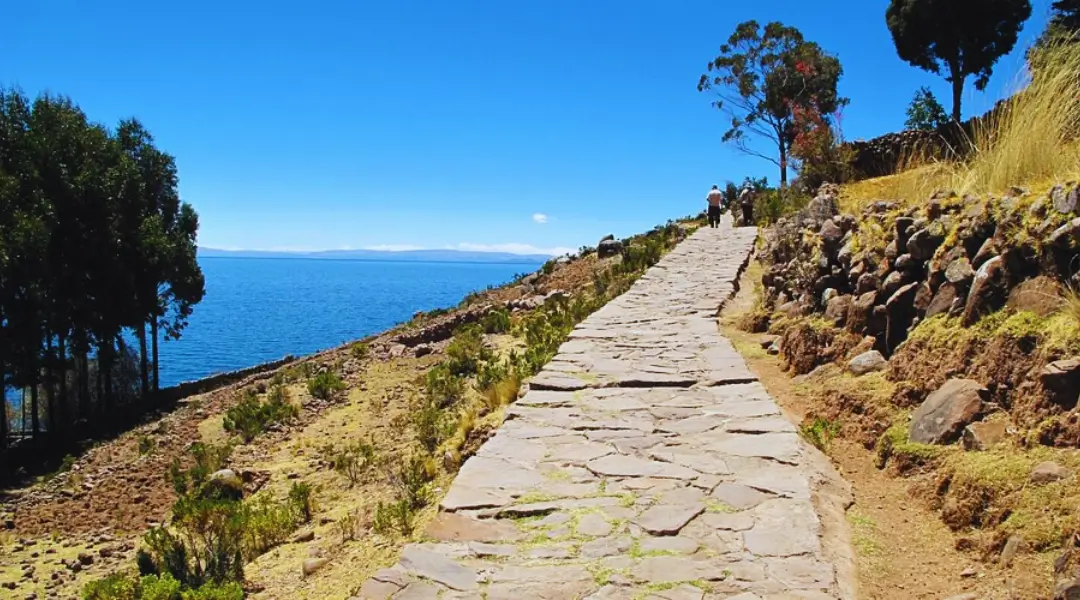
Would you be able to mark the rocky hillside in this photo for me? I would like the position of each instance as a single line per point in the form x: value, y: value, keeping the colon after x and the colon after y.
x: 944, y: 335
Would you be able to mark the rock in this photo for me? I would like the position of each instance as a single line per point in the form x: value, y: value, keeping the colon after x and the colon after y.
x: 1040, y: 295
x: 1049, y: 472
x: 664, y: 519
x: 1067, y: 590
x: 438, y: 568
x: 312, y: 565
x: 302, y: 536
x: 923, y: 244
x: 1061, y: 379
x: 941, y: 418
x: 86, y: 559
x: 227, y: 483
x: 860, y: 312
x: 867, y: 362
x: 905, y: 262
x: 846, y: 252
x: 422, y: 350
x: 1064, y: 201
x: 923, y: 296
x: 969, y: 572
x: 903, y: 224
x: 837, y: 309
x: 831, y: 234
x: 1065, y: 235
x: 948, y: 299
x: 1012, y: 546
x: 609, y: 248
x: 900, y: 309
x: 983, y: 435
x: 959, y: 272
x: 768, y: 340
x: 867, y: 282
x: 891, y: 284
x: 828, y: 295
x: 986, y: 251
x: 891, y: 251
x: 985, y: 290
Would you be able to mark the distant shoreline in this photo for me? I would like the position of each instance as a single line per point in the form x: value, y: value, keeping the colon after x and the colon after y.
x: 418, y: 261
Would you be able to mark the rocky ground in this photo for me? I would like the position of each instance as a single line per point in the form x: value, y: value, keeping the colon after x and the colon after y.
x: 86, y: 522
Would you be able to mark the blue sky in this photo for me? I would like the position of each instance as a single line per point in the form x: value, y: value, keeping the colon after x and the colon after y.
x: 474, y: 124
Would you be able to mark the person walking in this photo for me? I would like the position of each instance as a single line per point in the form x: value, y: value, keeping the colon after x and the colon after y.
x: 746, y: 203
x: 715, y: 198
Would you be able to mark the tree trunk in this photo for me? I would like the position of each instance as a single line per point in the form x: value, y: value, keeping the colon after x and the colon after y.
x: 154, y: 331
x: 3, y: 408
x: 84, y: 383
x: 783, y: 166
x: 35, y: 423
x: 957, y: 80
x: 144, y: 370
x: 61, y: 354
x: 50, y: 389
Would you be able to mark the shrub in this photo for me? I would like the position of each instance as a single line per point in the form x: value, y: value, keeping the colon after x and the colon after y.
x: 430, y: 423
x: 211, y: 591
x: 325, y: 385
x: 443, y: 387
x: 298, y: 372
x: 355, y: 461
x: 301, y: 502
x: 466, y: 351
x: 391, y: 516
x: 347, y: 526
x: 360, y: 350
x: 250, y: 417
x: 820, y: 432
x: 502, y: 392
x: 496, y: 321
x: 146, y: 445
x: 265, y: 523
x: 153, y: 587
x: 113, y: 587
x: 208, y: 458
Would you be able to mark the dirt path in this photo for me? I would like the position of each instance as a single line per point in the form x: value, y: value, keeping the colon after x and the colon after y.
x: 903, y: 549
x: 644, y: 462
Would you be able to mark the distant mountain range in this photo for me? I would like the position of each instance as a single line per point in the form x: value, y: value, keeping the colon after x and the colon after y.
x: 385, y: 255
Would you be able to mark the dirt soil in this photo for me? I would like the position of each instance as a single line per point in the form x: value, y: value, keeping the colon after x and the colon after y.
x: 903, y: 548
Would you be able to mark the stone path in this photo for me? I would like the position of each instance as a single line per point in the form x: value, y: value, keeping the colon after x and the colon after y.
x: 644, y: 462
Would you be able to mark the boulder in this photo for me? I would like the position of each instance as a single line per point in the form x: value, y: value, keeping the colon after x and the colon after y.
x: 1066, y: 234
x: 1049, y: 472
x: 1040, y: 295
x: 983, y: 435
x: 903, y: 224
x: 941, y: 418
x: 768, y: 340
x: 831, y: 234
x: 837, y: 309
x: 959, y: 272
x: 312, y: 565
x: 225, y: 483
x: 986, y: 290
x: 905, y: 262
x: 860, y: 311
x: 891, y: 250
x: 1061, y: 379
x: 1067, y: 590
x: 986, y: 251
x: 900, y: 309
x: 828, y: 295
x: 948, y: 299
x: 867, y: 282
x: 923, y: 296
x: 867, y: 362
x: 923, y: 244
x: 1064, y: 200
x: 892, y: 283
x: 609, y: 248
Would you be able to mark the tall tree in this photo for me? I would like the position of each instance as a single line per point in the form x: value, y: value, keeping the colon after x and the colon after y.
x: 961, y: 38
x: 761, y: 77
x: 925, y: 113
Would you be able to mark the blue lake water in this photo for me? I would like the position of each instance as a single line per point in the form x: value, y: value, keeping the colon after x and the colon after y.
x: 259, y: 310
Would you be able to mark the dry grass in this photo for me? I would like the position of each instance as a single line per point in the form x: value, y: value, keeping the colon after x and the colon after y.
x: 1028, y: 143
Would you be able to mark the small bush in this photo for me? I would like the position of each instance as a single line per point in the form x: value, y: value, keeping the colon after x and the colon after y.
x: 153, y: 587
x: 430, y: 423
x: 355, y: 461
x: 211, y: 591
x: 443, y: 386
x: 264, y: 524
x: 208, y: 458
x: 360, y: 350
x: 298, y: 372
x: 325, y: 385
x: 412, y: 479
x: 466, y: 351
x: 113, y: 587
x: 496, y: 321
x: 250, y: 417
x: 301, y: 502
x: 146, y: 445
x: 820, y: 433
x: 394, y: 516
x: 348, y: 526
x: 502, y: 392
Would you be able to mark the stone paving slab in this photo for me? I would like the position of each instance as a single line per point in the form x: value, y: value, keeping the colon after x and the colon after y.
x: 644, y: 462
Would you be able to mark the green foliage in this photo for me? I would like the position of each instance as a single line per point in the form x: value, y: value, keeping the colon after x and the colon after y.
x: 146, y: 445
x: 925, y: 113
x: 95, y: 246
x: 355, y: 460
x: 301, y: 502
x: 496, y: 321
x: 360, y: 350
x: 962, y: 37
x: 466, y: 351
x: 325, y: 385
x: 299, y: 372
x: 548, y: 268
x: 412, y: 479
x: 207, y: 459
x: 761, y: 79
x: 153, y: 587
x: 211, y: 591
x: 820, y: 433
x: 394, y: 516
x: 430, y: 423
x: 250, y: 417
x: 442, y: 386
x: 113, y: 587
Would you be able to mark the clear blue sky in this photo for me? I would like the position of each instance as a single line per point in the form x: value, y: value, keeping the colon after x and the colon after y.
x: 305, y: 125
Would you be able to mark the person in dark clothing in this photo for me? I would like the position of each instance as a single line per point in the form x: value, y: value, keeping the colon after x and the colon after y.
x: 746, y: 203
x: 715, y: 198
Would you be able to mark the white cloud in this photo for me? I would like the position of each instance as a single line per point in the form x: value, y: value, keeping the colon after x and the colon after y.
x: 540, y: 218
x: 512, y: 248
x: 393, y: 247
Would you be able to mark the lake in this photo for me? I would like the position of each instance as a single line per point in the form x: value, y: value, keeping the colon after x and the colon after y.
x: 258, y: 310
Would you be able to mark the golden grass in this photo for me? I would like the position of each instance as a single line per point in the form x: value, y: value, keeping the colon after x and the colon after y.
x: 1028, y: 143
